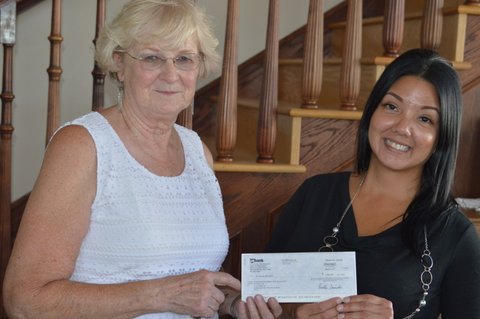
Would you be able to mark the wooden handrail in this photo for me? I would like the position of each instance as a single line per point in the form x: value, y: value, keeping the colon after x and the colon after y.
x: 227, y: 106
x: 313, y: 56
x: 54, y: 70
x: 267, y: 118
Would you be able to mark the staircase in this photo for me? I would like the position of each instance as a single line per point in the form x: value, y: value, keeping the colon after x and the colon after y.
x: 304, y: 95
x: 322, y: 139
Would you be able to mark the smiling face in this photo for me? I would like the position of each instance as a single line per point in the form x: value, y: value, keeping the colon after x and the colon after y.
x: 164, y: 91
x: 404, y: 127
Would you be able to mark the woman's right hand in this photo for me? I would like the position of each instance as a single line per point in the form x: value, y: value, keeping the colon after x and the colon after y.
x: 196, y: 294
x: 323, y: 310
x: 257, y: 308
x: 359, y: 306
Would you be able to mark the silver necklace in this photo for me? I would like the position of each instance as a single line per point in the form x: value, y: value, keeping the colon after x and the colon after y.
x: 426, y: 277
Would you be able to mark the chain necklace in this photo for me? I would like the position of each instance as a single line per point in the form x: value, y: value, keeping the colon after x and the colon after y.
x: 426, y: 277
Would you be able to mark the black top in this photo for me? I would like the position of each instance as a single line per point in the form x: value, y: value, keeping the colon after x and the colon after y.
x: 385, y: 266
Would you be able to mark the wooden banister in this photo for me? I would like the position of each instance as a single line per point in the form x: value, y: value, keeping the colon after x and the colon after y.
x: 432, y: 23
x: 352, y: 52
x: 267, y: 118
x: 227, y: 106
x: 313, y: 56
x: 97, y: 73
x: 54, y: 70
x: 393, y: 27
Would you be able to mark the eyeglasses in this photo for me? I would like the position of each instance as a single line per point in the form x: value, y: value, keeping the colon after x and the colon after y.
x: 152, y: 62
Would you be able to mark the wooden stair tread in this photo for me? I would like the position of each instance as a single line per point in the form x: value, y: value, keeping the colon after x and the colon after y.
x: 376, y: 60
x: 253, y: 167
x: 294, y: 110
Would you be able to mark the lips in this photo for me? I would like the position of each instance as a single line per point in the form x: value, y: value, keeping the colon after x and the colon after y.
x: 397, y: 146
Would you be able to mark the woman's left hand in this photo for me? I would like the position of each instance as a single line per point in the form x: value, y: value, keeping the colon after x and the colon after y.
x: 365, y: 306
x: 257, y: 308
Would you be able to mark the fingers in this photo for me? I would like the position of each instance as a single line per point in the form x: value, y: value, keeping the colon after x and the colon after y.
x: 198, y: 293
x: 224, y: 279
x: 324, y: 309
x: 369, y: 305
x: 275, y: 307
x: 257, y: 308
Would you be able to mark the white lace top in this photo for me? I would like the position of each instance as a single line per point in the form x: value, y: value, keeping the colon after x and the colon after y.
x: 146, y: 226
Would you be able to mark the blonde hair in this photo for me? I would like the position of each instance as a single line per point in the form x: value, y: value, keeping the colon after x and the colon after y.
x: 172, y: 22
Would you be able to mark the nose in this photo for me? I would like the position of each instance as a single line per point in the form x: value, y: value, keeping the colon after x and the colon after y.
x: 403, y: 126
x: 169, y: 71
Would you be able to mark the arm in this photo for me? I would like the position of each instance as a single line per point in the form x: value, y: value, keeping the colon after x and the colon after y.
x: 54, y: 224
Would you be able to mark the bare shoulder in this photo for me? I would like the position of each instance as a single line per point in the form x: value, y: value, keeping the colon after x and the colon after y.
x: 72, y: 140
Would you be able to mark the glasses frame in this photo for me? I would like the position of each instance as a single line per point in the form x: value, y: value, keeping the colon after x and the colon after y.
x: 162, y: 60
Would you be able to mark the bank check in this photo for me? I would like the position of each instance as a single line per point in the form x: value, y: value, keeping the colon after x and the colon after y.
x: 299, y: 277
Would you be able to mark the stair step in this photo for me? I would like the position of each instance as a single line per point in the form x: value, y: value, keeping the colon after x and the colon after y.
x: 452, y: 45
x: 290, y: 81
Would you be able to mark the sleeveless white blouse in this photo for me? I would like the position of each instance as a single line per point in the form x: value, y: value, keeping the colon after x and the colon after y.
x: 145, y: 226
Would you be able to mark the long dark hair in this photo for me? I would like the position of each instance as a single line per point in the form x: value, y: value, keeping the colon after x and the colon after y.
x: 434, y: 196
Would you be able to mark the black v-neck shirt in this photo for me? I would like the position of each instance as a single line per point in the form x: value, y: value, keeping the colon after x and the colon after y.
x: 385, y: 266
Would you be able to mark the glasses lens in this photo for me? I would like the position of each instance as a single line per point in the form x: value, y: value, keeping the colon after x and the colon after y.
x: 152, y: 62
x: 187, y: 62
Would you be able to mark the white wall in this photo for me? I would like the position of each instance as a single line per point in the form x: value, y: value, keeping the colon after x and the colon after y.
x: 31, y: 60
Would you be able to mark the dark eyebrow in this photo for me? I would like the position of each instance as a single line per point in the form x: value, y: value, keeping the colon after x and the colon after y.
x: 398, y: 97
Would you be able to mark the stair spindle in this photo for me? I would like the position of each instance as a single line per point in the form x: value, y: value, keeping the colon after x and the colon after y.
x: 393, y: 27
x: 313, y: 56
x: 97, y: 73
x: 227, y: 106
x: 352, y: 53
x: 432, y: 23
x: 7, y: 38
x: 6, y: 131
x: 54, y: 71
x: 267, y: 118
x: 185, y: 117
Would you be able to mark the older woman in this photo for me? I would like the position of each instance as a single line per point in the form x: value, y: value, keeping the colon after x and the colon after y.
x: 417, y: 255
x: 126, y: 217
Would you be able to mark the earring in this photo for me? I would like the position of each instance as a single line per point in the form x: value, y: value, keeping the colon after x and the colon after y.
x: 120, y: 96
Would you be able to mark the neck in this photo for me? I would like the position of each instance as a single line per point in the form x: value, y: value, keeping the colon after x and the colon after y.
x: 401, y: 184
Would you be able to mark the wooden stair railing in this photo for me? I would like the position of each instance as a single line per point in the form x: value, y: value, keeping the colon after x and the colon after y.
x: 352, y: 53
x: 267, y: 118
x: 313, y: 56
x: 54, y: 70
x: 393, y: 27
x: 7, y: 37
x: 227, y: 108
x: 350, y: 74
x: 97, y: 73
x: 432, y: 23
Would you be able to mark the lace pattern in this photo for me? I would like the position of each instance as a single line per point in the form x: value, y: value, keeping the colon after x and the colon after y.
x: 146, y: 226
